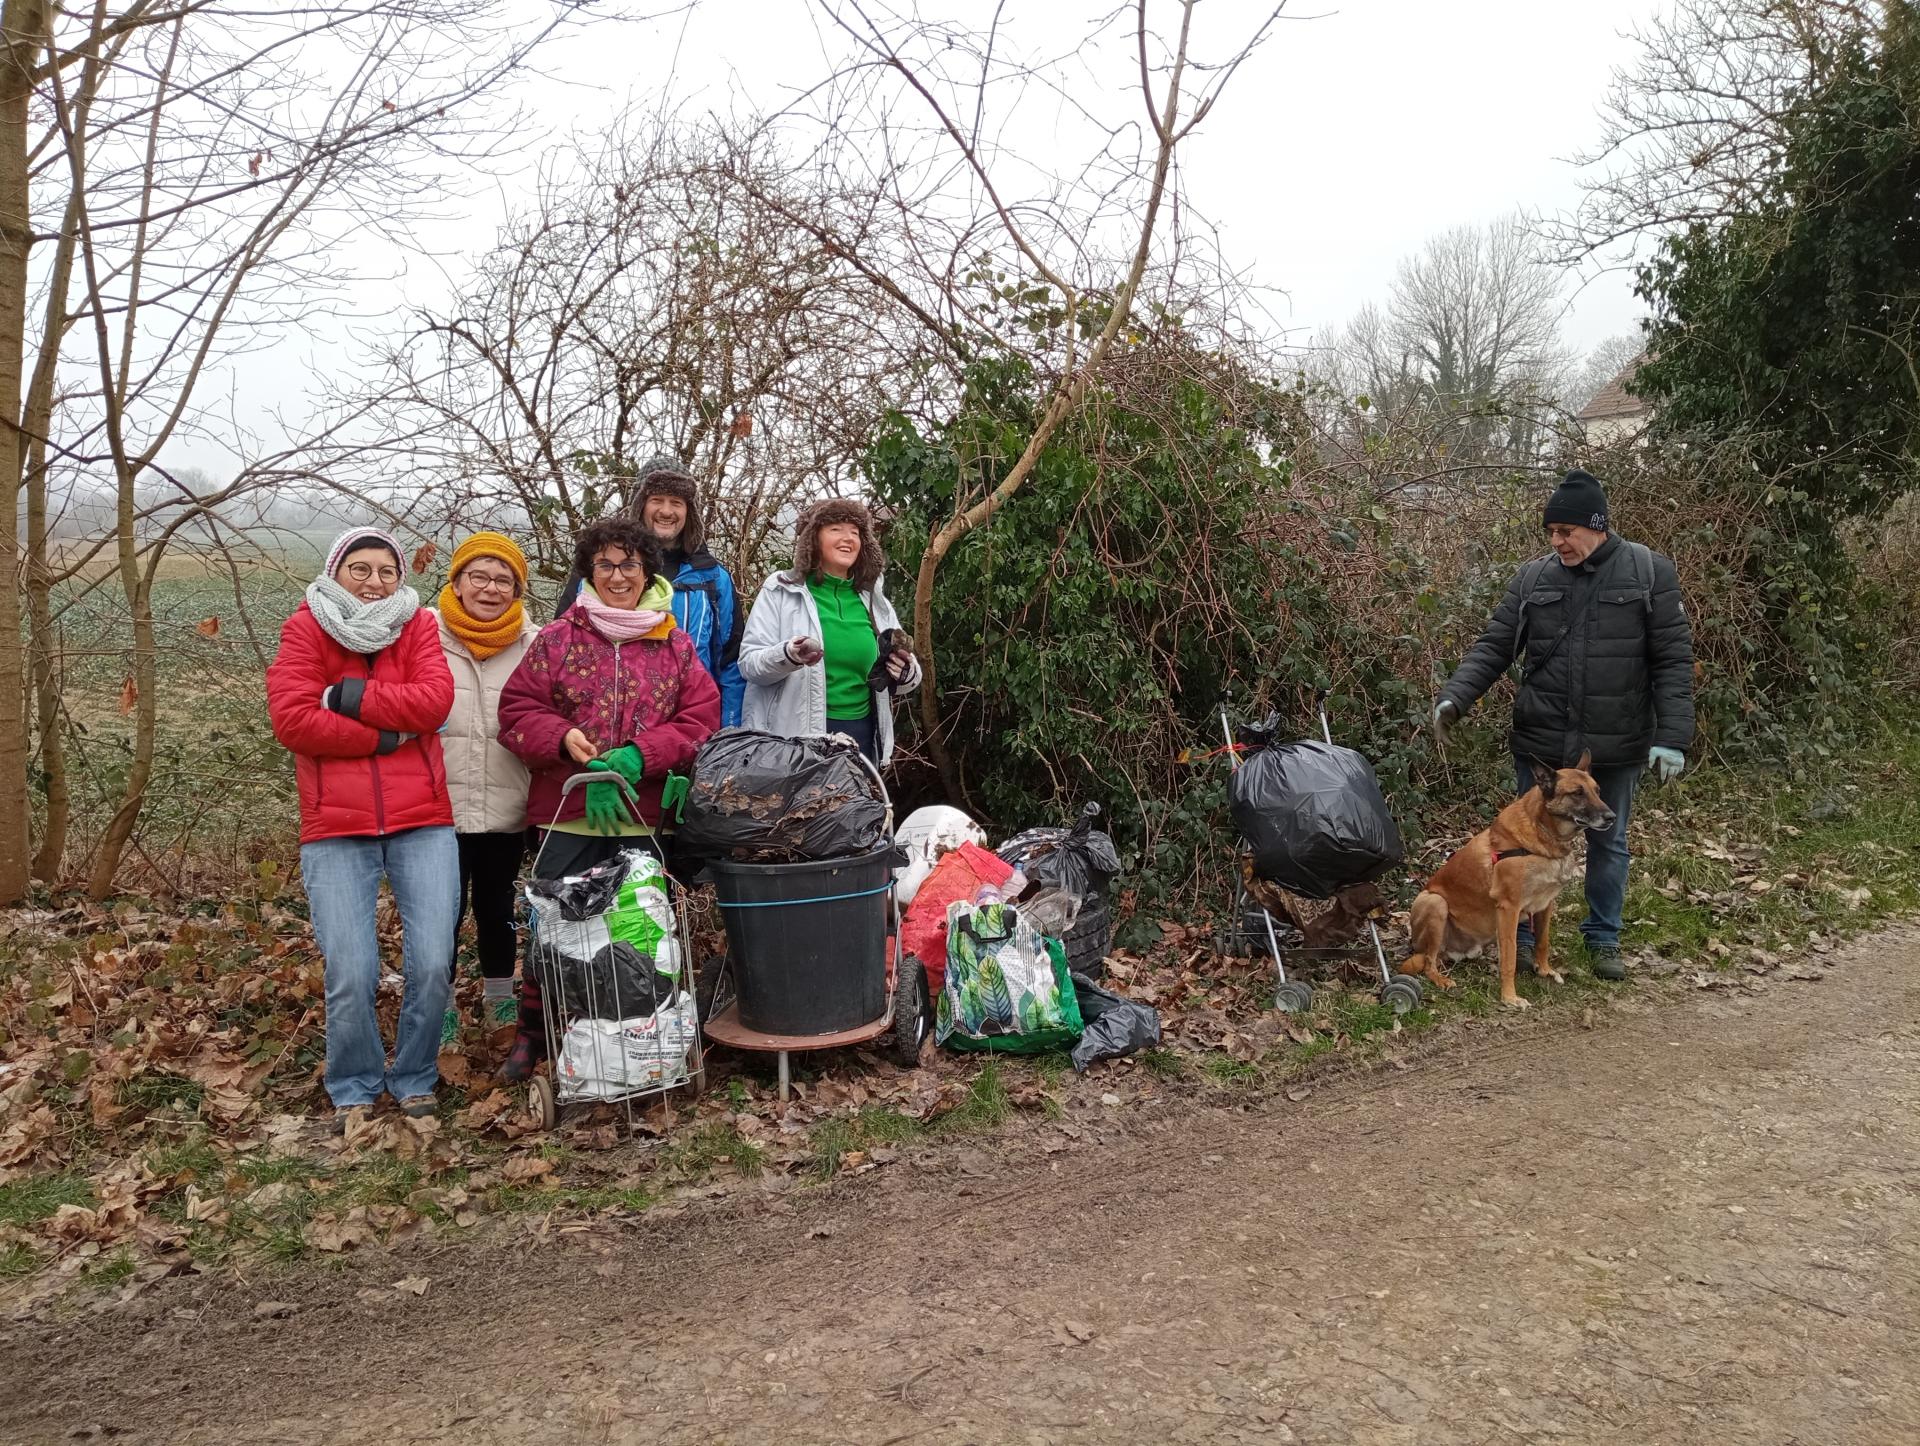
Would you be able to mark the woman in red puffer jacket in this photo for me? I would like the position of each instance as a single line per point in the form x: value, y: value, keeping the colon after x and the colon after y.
x: 358, y: 692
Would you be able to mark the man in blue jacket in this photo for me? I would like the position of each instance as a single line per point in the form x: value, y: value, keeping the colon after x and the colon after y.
x: 705, y: 605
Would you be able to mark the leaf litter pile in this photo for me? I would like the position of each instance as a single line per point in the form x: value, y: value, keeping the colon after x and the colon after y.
x: 161, y: 1108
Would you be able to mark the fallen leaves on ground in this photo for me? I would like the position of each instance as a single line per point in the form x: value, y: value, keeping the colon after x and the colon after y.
x: 163, y: 1070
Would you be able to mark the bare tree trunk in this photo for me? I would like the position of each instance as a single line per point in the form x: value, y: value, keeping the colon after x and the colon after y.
x: 46, y: 677
x: 1068, y: 392
x: 136, y: 586
x: 37, y: 424
x: 25, y: 26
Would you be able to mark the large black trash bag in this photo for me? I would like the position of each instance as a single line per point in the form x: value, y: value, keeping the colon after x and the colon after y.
x: 1314, y: 817
x: 1080, y: 860
x: 760, y: 798
x: 1114, y: 1026
x: 619, y: 982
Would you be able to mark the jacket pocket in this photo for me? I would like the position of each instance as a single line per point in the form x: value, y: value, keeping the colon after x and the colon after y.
x: 1622, y: 613
x: 1545, y: 619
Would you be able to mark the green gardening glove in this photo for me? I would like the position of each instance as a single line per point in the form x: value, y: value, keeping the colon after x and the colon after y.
x: 673, y: 797
x: 606, y: 809
x: 625, y: 761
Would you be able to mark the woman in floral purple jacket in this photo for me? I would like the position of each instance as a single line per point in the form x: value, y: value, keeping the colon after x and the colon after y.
x: 610, y: 685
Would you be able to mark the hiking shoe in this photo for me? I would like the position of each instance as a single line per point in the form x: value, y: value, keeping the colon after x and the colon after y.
x: 521, y: 1060
x: 449, y: 1028
x: 352, y: 1114
x: 1523, y: 957
x: 1606, y: 964
x: 497, y: 1013
x: 419, y: 1107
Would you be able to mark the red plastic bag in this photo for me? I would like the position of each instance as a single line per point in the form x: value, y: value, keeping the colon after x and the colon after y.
x: 958, y: 877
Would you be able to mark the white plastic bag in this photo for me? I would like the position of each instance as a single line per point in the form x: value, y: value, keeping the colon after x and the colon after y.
x: 926, y: 834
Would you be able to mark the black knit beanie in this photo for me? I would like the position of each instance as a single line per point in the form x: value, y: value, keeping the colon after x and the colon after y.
x: 1579, y: 500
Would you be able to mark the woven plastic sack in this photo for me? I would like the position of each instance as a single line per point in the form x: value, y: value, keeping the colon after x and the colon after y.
x: 1007, y: 988
x: 957, y: 878
x: 608, y: 1058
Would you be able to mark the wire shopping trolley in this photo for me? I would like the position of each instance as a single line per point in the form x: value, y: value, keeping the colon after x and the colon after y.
x: 1253, y: 921
x: 606, y: 947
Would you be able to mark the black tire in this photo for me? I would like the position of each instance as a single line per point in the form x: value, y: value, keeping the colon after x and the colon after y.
x: 1087, y: 942
x: 912, y: 1013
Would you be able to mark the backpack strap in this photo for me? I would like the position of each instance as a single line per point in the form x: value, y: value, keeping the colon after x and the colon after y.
x: 1529, y: 580
x: 1642, y: 556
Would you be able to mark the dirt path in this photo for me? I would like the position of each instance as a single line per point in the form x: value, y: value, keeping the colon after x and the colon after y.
x: 1697, y: 1223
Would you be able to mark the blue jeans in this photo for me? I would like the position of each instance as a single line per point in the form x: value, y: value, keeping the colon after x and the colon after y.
x: 864, y: 731
x: 342, y: 878
x: 1607, y: 856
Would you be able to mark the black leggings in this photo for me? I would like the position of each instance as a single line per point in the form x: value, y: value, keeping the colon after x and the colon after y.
x: 489, y: 882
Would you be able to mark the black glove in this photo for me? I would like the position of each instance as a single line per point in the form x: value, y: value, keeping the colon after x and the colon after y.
x: 893, y: 643
x: 344, y: 697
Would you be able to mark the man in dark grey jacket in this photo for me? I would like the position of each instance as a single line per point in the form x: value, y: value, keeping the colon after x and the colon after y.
x: 1606, y: 657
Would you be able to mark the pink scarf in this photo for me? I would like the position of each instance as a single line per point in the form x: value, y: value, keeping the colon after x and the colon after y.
x: 622, y: 625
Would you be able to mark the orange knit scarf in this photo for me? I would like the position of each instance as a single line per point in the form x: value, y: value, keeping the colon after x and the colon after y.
x: 483, y: 640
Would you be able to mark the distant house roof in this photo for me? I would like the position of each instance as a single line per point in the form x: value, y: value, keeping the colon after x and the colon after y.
x: 1613, y: 400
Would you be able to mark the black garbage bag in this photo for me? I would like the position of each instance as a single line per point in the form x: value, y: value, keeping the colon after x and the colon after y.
x: 1114, y: 1026
x: 619, y: 982
x: 760, y: 798
x: 585, y: 895
x: 1080, y: 861
x: 1314, y: 817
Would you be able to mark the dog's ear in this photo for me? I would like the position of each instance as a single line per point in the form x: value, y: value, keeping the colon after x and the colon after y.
x: 1544, y: 778
x: 1585, y: 765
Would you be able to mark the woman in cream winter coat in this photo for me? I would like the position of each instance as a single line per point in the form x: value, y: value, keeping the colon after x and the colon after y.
x: 811, y: 655
x: 484, y: 632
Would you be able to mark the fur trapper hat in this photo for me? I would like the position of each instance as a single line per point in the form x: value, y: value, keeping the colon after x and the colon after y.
x: 806, y: 540
x: 664, y: 475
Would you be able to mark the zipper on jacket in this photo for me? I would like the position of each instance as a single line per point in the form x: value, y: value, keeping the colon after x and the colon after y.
x: 373, y: 762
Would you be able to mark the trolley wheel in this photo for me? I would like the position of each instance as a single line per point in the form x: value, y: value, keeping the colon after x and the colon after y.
x: 1293, y: 997
x: 1401, y: 994
x: 910, y: 1012
x: 542, y: 1103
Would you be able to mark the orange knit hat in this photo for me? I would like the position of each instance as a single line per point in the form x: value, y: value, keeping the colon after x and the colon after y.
x: 490, y: 544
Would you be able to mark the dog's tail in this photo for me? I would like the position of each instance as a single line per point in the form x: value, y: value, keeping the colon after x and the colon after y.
x: 1427, y: 924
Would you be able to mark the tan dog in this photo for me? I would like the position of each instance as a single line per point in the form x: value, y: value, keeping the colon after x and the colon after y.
x: 1518, y: 866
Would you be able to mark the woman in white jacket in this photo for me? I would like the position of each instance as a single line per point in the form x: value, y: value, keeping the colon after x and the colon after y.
x: 484, y: 631
x: 813, y: 654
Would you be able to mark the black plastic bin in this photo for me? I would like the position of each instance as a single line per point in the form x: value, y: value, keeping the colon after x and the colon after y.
x: 809, y: 941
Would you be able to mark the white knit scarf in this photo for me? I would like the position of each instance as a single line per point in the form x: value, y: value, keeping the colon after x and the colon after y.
x: 360, y: 627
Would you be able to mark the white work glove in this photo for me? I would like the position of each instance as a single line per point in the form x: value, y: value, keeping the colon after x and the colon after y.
x: 1667, y: 764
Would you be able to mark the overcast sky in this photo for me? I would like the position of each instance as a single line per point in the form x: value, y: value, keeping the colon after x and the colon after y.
x: 1362, y: 128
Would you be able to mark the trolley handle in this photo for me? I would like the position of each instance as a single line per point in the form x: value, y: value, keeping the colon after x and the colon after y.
x: 585, y: 777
